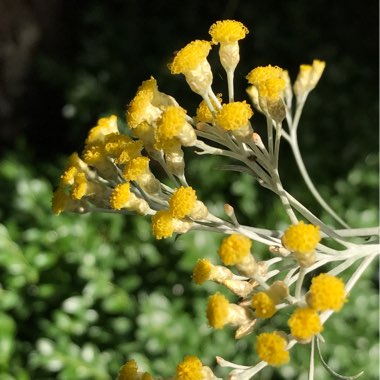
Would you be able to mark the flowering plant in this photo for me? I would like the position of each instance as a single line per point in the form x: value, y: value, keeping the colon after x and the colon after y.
x: 113, y: 174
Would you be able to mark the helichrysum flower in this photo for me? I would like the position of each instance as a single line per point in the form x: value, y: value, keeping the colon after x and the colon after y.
x: 191, y: 61
x: 189, y: 369
x: 204, y: 113
x: 326, y: 293
x: 141, y: 107
x: 268, y: 80
x: 234, y: 249
x: 61, y: 201
x: 308, y: 77
x: 172, y: 125
x: 227, y: 33
x: 301, y: 238
x: 136, y: 168
x: 120, y: 196
x: 304, y: 323
x: 220, y: 313
x: 272, y: 88
x: 234, y: 116
x: 123, y: 198
x: 217, y: 311
x: 204, y: 270
x: 129, y: 371
x: 162, y: 224
x: 184, y: 203
x: 190, y: 57
x: 104, y: 127
x: 271, y: 348
x: 262, y: 73
x: 263, y: 305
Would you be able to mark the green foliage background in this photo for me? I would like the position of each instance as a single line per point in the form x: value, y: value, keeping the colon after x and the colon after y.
x: 80, y: 295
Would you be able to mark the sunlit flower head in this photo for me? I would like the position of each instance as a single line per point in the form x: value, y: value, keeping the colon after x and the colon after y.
x: 304, y: 323
x: 233, y: 116
x: 189, y: 369
x: 234, y: 249
x: 217, y: 311
x: 326, y: 293
x: 263, y: 305
x: 271, y: 348
x: 302, y: 238
x: 227, y: 31
x: 191, y: 61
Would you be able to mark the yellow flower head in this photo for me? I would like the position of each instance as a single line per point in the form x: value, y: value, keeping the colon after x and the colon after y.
x: 162, y: 224
x: 263, y: 305
x: 59, y: 201
x: 80, y: 186
x: 129, y: 371
x: 271, y: 348
x: 105, y: 126
x: 129, y: 151
x: 327, y: 293
x: 227, y: 31
x: 67, y: 178
x: 114, y: 143
x: 234, y: 249
x: 203, y: 112
x: 305, y: 323
x: 189, y: 369
x: 217, y: 310
x: 182, y: 202
x: 308, y: 77
x: 272, y: 88
x: 301, y: 238
x: 171, y: 123
x: 140, y: 109
x: 202, y: 271
x: 263, y: 73
x: 93, y: 154
x: 120, y: 196
x: 233, y: 116
x: 189, y: 57
x: 136, y: 168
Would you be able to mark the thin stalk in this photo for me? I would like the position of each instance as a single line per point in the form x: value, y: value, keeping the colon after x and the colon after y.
x: 309, y: 183
x: 277, y: 145
x: 312, y: 366
x: 298, y: 291
x: 284, y: 197
x: 230, y: 84
x: 270, y: 135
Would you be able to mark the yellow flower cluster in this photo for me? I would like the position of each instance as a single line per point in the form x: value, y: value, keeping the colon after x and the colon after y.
x: 113, y: 174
